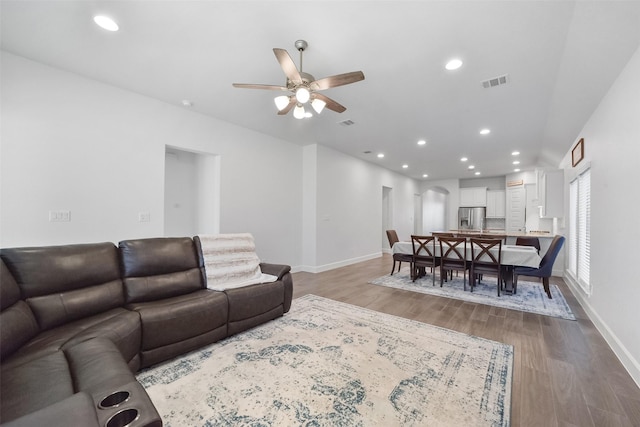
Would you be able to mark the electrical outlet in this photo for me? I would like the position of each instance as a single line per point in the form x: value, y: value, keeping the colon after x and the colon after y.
x: 144, y: 217
x: 59, y: 216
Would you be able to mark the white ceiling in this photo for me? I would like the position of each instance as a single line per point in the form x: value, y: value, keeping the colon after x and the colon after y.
x: 561, y: 58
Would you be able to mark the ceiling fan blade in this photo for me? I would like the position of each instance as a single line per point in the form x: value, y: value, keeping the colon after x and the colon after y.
x: 285, y: 110
x: 331, y: 104
x: 337, y: 80
x: 252, y: 86
x: 288, y: 66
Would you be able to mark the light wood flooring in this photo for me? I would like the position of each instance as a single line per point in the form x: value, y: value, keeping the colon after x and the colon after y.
x: 565, y: 374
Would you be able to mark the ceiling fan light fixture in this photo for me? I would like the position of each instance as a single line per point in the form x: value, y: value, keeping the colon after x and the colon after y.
x: 298, y: 112
x: 318, y: 105
x: 303, y: 95
x: 281, y: 102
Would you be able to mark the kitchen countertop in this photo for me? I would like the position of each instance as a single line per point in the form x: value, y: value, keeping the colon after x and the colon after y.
x: 539, y: 234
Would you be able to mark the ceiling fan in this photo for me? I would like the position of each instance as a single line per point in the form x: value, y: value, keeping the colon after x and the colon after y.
x: 303, y: 86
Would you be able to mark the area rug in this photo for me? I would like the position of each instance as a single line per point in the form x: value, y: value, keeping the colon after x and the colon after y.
x: 327, y: 363
x: 530, y: 296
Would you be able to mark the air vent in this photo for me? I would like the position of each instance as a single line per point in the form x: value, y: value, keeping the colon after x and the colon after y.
x: 347, y: 122
x: 496, y: 81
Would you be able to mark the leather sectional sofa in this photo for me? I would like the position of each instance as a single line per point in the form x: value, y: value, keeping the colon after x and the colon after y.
x: 77, y: 322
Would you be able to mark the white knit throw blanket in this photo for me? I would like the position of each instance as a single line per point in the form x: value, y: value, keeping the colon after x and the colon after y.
x: 230, y: 261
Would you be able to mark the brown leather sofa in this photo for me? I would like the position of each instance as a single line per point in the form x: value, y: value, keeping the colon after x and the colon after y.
x: 77, y: 322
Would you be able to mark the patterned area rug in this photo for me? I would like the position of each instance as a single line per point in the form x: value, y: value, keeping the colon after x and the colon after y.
x: 530, y: 296
x: 327, y: 363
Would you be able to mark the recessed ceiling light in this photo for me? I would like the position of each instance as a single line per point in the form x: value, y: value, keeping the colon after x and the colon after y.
x: 424, y: 175
x: 463, y: 159
x: 106, y: 23
x: 516, y: 162
x: 422, y: 142
x: 471, y: 167
x: 405, y: 166
x: 515, y: 153
x: 380, y: 155
x: 453, y: 64
x: 477, y: 173
x: 187, y: 103
x: 516, y: 170
x: 485, y: 132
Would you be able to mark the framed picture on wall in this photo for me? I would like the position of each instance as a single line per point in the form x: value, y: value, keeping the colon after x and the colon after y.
x: 577, y: 154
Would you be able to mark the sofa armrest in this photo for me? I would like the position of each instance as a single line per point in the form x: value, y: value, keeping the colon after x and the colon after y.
x: 284, y: 275
x: 75, y: 410
x: 278, y: 270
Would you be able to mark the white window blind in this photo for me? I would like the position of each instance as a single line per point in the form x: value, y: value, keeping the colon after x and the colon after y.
x: 579, y: 229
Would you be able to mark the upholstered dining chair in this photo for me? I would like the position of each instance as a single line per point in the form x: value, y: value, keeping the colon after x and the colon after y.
x: 546, y: 266
x: 484, y: 261
x: 400, y: 258
x: 453, y: 256
x: 424, y: 255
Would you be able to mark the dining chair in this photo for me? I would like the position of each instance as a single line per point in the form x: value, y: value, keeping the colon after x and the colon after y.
x: 528, y: 241
x: 502, y: 237
x: 453, y: 256
x: 546, y: 266
x: 400, y: 258
x: 424, y: 255
x: 438, y: 234
x: 484, y: 261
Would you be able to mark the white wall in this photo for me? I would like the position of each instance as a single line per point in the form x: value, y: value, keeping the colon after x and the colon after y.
x: 612, y: 146
x: 349, y: 208
x: 70, y: 143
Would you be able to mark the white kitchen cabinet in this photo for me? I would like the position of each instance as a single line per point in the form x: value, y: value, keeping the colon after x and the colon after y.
x: 496, y: 204
x: 551, y: 193
x: 473, y: 197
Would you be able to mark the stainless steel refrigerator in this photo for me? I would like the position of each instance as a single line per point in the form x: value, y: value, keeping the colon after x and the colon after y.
x: 471, y: 218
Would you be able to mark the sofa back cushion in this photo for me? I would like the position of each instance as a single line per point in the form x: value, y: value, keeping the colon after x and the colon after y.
x: 160, y: 268
x: 66, y: 283
x: 17, y: 323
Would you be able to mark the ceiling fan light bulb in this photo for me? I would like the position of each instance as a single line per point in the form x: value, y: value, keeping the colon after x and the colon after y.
x: 298, y: 112
x: 302, y: 95
x: 318, y: 105
x: 281, y: 102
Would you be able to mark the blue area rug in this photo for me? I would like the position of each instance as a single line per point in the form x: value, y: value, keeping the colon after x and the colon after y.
x: 327, y: 363
x: 530, y: 296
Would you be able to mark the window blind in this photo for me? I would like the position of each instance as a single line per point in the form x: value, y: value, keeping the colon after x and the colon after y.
x: 579, y: 264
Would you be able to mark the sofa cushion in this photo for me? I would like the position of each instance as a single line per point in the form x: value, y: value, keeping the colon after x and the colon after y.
x: 9, y: 290
x: 121, y: 326
x: 76, y: 410
x: 253, y: 305
x: 172, y: 320
x: 160, y: 268
x: 17, y: 323
x: 51, y: 277
x: 35, y: 385
x: 17, y: 326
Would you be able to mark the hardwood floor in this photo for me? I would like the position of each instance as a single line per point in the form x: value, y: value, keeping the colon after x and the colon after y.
x: 564, y: 373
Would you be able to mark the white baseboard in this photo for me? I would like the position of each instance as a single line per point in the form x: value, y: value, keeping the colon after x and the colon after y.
x: 334, y: 265
x: 626, y: 358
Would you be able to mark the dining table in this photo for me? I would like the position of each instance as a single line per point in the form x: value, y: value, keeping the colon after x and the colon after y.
x: 512, y: 256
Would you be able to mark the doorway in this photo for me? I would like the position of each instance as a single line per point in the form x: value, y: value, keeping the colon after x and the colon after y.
x: 387, y: 219
x: 434, y: 210
x: 516, y: 209
x: 191, y: 193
